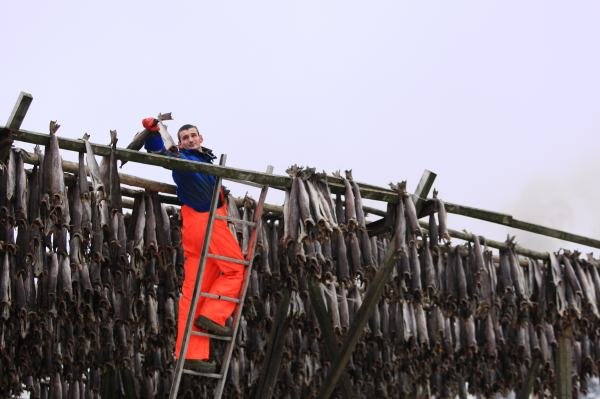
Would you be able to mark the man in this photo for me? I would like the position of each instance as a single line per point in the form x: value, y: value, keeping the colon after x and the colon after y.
x: 194, y: 190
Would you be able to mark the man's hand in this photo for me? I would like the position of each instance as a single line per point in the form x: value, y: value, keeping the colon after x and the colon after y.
x: 153, y: 142
x: 150, y: 124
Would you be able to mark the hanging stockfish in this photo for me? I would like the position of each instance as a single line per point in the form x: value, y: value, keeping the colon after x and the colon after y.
x: 9, y: 182
x: 84, y: 196
x: 274, y: 260
x: 484, y: 285
x: 331, y: 299
x: 114, y: 185
x: 433, y: 229
x: 5, y: 288
x: 21, y: 195
x: 442, y: 218
x: 429, y: 273
x: 317, y: 206
x: 292, y: 207
x: 150, y: 243
x: 54, y: 185
x: 340, y: 255
x: 399, y: 235
x: 354, y: 252
x: 505, y: 286
x: 35, y: 185
x: 304, y: 201
x: 587, y: 286
x: 320, y: 182
x: 368, y: 262
x: 99, y: 194
x: 52, y: 283
x: 349, y: 213
x: 557, y: 286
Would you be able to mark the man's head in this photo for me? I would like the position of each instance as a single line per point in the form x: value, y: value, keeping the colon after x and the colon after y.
x: 189, y: 137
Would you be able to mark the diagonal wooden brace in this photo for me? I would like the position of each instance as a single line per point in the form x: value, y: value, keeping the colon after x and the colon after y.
x: 374, y: 292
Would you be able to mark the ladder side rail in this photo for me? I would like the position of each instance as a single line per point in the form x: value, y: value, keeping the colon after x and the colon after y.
x: 197, y: 286
x: 247, y: 275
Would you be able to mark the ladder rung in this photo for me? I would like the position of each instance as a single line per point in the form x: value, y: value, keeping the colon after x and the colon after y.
x: 205, y: 334
x: 228, y: 259
x: 234, y: 220
x: 220, y: 297
x: 207, y: 375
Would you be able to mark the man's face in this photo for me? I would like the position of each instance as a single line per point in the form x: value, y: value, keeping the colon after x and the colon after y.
x: 190, y: 139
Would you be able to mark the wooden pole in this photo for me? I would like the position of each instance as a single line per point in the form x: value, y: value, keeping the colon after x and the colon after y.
x: 331, y: 343
x: 424, y: 186
x: 374, y: 291
x: 527, y: 388
x: 564, y: 360
x: 14, y: 122
x: 508, y: 220
x: 274, y: 348
x: 284, y: 182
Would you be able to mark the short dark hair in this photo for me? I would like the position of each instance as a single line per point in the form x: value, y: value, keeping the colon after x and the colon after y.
x: 186, y: 127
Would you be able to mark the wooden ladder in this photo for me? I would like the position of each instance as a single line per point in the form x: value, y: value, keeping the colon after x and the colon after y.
x: 255, y: 226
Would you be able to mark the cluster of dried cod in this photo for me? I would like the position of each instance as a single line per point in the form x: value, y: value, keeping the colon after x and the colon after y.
x: 88, y: 295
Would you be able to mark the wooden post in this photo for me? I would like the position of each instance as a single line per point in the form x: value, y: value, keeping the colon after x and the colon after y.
x: 14, y: 123
x: 331, y: 343
x: 527, y: 388
x: 274, y: 348
x: 423, y: 187
x: 564, y: 360
x: 371, y: 299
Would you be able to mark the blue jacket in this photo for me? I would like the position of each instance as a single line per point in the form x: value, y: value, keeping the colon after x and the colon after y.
x: 194, y: 189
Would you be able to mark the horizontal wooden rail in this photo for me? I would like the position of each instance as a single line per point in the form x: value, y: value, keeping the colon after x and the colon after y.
x: 508, y: 220
x: 283, y: 182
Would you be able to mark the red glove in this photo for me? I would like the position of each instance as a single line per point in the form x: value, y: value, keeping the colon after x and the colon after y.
x: 150, y: 124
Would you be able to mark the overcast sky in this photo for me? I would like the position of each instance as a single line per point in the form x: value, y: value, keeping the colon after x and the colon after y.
x: 500, y: 98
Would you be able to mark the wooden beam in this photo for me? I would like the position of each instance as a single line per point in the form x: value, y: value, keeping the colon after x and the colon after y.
x: 274, y: 348
x: 331, y: 343
x: 14, y: 122
x: 564, y: 365
x: 527, y: 389
x: 240, y: 175
x: 284, y: 182
x: 167, y: 162
x: 508, y: 220
x: 423, y: 187
x: 372, y: 296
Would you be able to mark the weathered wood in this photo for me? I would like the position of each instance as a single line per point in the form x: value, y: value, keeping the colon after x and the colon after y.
x: 284, y: 182
x: 331, y: 343
x: 508, y: 220
x: 423, y: 187
x: 275, y: 181
x: 374, y: 292
x: 527, y: 388
x: 564, y: 365
x: 14, y: 122
x: 274, y: 348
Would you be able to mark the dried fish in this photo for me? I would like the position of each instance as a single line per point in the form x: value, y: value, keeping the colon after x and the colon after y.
x: 21, y: 195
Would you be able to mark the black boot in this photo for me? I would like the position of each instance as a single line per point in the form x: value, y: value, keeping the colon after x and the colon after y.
x: 210, y: 326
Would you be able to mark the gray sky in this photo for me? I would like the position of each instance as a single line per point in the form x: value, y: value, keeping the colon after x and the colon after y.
x: 499, y: 98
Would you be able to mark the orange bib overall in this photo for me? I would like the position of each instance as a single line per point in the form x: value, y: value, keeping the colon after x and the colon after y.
x: 220, y: 277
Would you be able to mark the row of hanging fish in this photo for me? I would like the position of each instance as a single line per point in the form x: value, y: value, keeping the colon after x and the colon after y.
x: 88, y: 294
